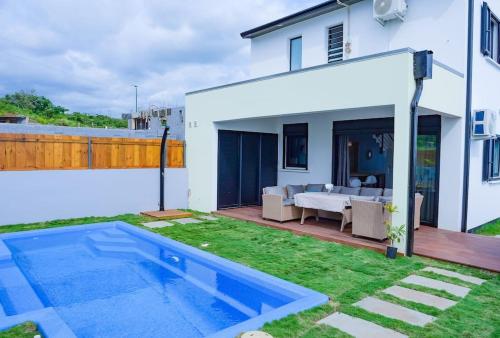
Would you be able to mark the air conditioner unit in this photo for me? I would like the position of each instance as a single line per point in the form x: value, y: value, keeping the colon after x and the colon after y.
x: 484, y: 124
x: 385, y: 10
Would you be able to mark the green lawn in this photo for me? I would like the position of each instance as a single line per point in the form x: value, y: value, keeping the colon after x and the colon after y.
x: 490, y: 229
x: 26, y: 330
x: 345, y: 274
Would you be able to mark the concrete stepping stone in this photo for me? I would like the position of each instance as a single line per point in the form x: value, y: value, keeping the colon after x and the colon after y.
x: 419, y: 297
x: 394, y: 311
x: 187, y: 220
x: 256, y: 334
x: 157, y: 224
x: 359, y: 328
x: 456, y: 290
x: 209, y: 218
x: 448, y: 273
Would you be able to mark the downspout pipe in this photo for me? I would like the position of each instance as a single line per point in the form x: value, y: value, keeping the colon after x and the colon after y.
x: 422, y: 69
x: 468, y: 108
x: 162, y: 167
x: 410, y: 223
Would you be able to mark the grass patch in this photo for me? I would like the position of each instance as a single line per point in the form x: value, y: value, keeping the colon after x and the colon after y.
x: 25, y: 330
x: 489, y: 229
x: 343, y: 273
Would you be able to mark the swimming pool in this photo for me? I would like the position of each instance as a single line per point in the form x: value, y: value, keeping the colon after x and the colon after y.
x: 117, y: 280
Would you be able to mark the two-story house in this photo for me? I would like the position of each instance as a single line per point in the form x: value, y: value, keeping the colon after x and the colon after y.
x: 330, y: 102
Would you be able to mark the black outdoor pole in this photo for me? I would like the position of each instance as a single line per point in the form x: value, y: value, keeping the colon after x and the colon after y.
x: 162, y: 167
x: 422, y: 70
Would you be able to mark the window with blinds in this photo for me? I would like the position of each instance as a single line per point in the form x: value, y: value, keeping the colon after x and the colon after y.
x: 336, y: 43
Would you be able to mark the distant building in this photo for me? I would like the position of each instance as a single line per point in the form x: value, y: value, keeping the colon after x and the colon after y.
x: 11, y: 118
x: 157, y: 118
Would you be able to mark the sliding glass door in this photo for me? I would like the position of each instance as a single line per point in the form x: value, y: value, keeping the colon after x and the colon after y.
x: 365, y: 147
x: 427, y: 175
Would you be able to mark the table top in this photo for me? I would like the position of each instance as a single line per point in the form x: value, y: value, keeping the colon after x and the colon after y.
x: 322, y: 201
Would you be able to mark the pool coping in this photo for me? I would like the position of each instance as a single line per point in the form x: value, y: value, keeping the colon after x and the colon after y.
x: 306, y: 298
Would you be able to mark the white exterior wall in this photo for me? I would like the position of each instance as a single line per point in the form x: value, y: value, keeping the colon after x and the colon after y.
x: 43, y: 195
x: 316, y: 97
x: 484, y: 197
x: 436, y: 25
x: 297, y: 93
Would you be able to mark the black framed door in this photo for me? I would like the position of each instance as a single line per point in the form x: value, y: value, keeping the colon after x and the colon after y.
x: 247, y: 162
x: 428, y: 168
x: 229, y: 169
x: 428, y: 156
x: 250, y: 164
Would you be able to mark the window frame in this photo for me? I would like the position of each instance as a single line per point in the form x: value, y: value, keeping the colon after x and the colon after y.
x: 328, y: 42
x: 491, y: 156
x: 286, y: 134
x: 488, y: 43
x: 496, y: 20
x: 290, y: 58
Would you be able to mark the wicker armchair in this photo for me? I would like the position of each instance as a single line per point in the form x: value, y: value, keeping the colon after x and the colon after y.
x: 276, y: 207
x: 369, y: 218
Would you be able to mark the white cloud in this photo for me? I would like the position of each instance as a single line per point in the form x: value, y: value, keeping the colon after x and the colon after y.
x: 86, y: 55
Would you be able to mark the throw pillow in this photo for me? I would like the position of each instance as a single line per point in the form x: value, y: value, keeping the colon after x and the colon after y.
x: 314, y: 187
x: 294, y: 189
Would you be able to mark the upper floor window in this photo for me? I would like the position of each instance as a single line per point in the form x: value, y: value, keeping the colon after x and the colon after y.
x: 295, y: 146
x: 491, y: 160
x: 336, y: 43
x: 490, y: 34
x: 296, y: 53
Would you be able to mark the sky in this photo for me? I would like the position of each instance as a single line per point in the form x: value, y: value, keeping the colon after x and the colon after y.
x: 86, y: 55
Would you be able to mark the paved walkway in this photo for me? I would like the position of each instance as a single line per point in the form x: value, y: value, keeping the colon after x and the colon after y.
x: 361, y: 328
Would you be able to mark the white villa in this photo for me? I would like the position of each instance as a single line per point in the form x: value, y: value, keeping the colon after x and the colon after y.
x: 330, y: 100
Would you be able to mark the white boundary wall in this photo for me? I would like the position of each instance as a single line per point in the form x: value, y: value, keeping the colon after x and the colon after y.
x: 42, y: 195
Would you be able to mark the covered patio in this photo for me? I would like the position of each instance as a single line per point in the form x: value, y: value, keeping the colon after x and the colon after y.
x: 456, y: 247
x: 240, y: 134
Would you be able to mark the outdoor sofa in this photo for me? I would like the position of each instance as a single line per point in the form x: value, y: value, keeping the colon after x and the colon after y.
x: 366, y: 213
x: 278, y: 202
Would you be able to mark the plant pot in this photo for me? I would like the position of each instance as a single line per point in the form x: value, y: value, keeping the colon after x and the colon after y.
x: 391, y: 252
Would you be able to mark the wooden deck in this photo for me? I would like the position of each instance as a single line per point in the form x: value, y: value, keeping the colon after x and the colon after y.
x: 458, y: 247
x: 467, y: 249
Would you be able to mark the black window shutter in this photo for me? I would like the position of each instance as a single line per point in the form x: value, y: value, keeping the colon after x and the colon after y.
x: 487, y: 160
x: 485, y: 30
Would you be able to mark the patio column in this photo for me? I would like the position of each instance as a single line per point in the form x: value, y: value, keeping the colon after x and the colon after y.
x: 401, y: 164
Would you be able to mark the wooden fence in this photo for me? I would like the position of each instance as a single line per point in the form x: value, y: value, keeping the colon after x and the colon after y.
x: 48, y: 152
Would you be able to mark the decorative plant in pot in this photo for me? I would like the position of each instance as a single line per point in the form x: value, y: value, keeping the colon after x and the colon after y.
x: 394, y: 233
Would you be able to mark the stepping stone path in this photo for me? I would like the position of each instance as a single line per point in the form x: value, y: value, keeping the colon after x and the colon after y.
x: 359, y: 328
x: 419, y: 297
x: 157, y: 224
x: 187, y: 220
x: 470, y: 279
x: 456, y: 290
x: 394, y: 311
x: 209, y: 218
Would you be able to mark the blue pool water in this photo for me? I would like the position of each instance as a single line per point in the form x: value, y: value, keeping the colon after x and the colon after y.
x: 115, y: 280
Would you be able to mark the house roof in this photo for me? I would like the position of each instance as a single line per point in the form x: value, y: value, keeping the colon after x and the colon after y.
x: 291, y: 19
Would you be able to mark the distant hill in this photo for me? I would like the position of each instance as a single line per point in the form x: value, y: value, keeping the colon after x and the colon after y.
x: 41, y: 110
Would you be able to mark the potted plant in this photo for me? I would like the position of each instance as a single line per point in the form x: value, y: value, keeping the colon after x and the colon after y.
x: 394, y: 233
